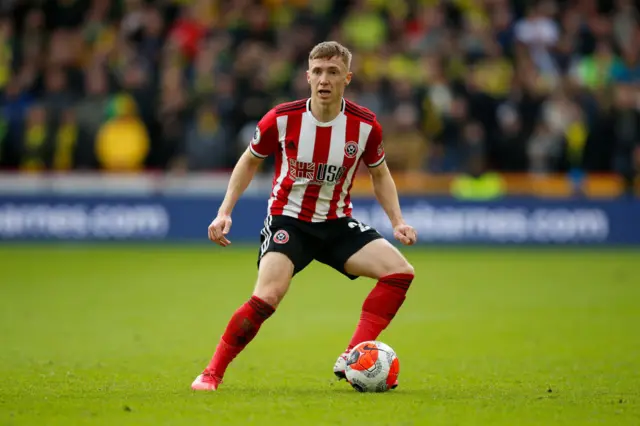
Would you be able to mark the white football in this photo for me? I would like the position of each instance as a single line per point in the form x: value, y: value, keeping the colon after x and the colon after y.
x: 372, y: 366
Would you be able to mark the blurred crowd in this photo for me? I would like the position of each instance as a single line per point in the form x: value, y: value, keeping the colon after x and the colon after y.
x: 459, y: 85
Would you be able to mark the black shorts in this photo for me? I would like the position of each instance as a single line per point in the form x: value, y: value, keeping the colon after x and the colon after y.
x: 331, y: 242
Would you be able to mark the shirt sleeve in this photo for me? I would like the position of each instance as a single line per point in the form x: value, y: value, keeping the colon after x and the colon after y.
x: 265, y: 137
x: 374, y: 150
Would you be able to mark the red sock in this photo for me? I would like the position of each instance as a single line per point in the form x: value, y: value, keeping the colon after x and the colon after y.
x: 242, y: 328
x: 380, y: 306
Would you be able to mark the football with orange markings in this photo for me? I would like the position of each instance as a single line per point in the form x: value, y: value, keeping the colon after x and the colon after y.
x: 372, y: 366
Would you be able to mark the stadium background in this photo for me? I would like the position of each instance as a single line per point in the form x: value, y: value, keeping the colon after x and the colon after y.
x: 505, y: 123
x: 481, y: 101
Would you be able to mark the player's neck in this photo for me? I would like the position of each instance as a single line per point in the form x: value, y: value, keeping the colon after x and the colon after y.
x: 325, y: 113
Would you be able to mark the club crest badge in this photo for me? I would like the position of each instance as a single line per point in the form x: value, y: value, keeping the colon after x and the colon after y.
x: 350, y: 149
x: 281, y: 237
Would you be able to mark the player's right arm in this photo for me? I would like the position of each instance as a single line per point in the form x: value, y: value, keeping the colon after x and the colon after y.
x: 264, y: 142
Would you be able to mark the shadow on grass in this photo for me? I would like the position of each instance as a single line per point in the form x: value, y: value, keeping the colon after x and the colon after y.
x: 341, y: 390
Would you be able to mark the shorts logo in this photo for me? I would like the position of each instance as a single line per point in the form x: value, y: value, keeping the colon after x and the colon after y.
x: 350, y: 149
x: 256, y: 136
x: 281, y: 237
x: 380, y: 149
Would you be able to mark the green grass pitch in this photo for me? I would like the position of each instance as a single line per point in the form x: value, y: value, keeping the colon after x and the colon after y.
x: 114, y: 335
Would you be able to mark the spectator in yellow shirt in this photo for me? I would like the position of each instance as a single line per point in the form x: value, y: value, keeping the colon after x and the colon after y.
x: 123, y: 141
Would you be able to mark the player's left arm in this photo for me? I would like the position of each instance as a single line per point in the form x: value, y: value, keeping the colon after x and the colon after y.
x: 384, y: 187
x: 386, y: 193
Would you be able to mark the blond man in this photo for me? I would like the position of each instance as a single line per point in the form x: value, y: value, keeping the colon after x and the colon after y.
x: 318, y: 144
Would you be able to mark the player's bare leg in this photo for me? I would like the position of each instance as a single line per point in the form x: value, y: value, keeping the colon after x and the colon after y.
x: 274, y: 277
x: 383, y: 262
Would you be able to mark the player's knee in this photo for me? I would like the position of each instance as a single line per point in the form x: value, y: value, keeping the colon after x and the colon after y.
x: 272, y: 291
x: 274, y: 277
x: 403, y: 267
x: 273, y: 298
x: 407, y: 269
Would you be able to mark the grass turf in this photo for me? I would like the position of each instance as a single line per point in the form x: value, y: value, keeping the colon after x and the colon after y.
x: 115, y: 335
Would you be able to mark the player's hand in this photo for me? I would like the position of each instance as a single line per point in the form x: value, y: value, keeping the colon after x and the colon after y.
x: 405, y: 234
x: 219, y: 229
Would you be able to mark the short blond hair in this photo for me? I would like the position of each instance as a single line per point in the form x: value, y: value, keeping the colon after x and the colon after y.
x: 330, y: 49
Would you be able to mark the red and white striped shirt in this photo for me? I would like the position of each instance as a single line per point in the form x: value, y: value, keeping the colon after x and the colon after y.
x: 316, y: 162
